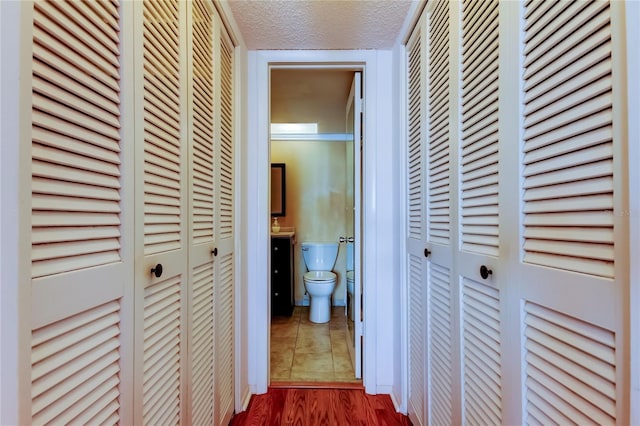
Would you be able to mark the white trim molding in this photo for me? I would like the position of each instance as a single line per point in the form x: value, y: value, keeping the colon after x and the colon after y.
x: 379, y: 267
x: 632, y: 14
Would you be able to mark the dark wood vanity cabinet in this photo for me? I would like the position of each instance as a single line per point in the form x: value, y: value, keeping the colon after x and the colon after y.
x: 281, y: 276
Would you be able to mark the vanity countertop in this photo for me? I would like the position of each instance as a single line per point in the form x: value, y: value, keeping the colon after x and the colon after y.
x: 285, y: 232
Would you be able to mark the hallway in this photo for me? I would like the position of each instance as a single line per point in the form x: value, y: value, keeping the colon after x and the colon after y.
x: 312, y: 407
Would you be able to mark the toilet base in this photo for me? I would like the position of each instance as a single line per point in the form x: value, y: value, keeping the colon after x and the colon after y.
x: 320, y: 309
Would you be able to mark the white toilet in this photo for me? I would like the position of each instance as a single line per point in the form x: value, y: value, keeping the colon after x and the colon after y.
x: 319, y: 281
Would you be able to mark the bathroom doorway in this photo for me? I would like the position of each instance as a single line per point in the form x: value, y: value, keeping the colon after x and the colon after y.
x: 315, y: 114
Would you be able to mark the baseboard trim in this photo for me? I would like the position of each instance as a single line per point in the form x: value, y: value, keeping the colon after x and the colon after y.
x: 246, y: 399
x: 396, y: 403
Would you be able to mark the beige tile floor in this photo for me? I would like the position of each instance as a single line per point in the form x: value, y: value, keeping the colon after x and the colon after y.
x: 304, y: 351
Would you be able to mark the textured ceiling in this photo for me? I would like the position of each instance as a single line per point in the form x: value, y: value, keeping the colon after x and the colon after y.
x: 319, y: 24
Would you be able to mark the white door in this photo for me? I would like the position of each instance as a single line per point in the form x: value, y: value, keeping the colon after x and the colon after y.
x: 443, y: 356
x: 81, y: 231
x: 416, y: 234
x: 161, y: 212
x: 224, y: 222
x: 528, y: 279
x: 354, y: 126
x: 573, y: 266
x: 201, y: 212
x: 479, y: 260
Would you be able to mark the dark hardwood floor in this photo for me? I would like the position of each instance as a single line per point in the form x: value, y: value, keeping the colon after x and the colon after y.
x: 310, y: 407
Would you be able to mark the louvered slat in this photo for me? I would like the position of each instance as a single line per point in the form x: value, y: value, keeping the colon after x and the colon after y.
x: 585, y: 373
x: 161, y: 128
x: 202, y: 346
x: 54, y: 140
x: 479, y: 158
x: 225, y: 196
x: 224, y: 225
x: 481, y: 353
x: 224, y: 333
x: 161, y: 353
x: 76, y: 139
x: 203, y: 118
x: 202, y: 210
x: 440, y: 346
x: 438, y: 125
x: 416, y: 229
x: 75, y: 367
x: 415, y: 154
x: 417, y: 334
x: 568, y: 148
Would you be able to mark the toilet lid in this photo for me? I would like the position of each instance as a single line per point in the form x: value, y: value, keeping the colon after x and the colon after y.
x: 319, y: 276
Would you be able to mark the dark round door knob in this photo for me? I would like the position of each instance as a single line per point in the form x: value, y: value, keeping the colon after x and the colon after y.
x: 214, y: 252
x: 427, y: 252
x: 485, y: 272
x: 157, y: 270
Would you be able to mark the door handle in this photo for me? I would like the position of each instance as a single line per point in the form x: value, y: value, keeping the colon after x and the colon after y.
x: 485, y: 272
x: 427, y: 252
x: 214, y: 252
x: 157, y: 270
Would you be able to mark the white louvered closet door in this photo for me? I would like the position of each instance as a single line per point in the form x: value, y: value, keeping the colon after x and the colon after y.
x: 416, y: 232
x: 480, y: 269
x: 443, y: 386
x: 573, y: 274
x: 161, y: 213
x: 81, y: 189
x: 224, y: 236
x: 201, y: 212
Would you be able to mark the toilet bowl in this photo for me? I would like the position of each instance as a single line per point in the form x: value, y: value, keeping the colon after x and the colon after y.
x: 319, y: 281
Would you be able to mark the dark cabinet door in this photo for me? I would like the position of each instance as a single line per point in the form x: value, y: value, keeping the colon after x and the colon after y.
x: 281, y: 277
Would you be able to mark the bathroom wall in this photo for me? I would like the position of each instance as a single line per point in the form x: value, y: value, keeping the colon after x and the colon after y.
x: 316, y: 202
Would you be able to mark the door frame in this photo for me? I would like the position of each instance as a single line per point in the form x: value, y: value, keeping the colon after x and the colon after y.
x: 632, y: 10
x: 378, y: 265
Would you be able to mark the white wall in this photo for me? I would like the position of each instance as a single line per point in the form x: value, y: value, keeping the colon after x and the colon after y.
x: 383, y: 250
x: 316, y: 202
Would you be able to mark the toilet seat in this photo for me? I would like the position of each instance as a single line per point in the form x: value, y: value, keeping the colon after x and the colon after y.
x: 320, y: 276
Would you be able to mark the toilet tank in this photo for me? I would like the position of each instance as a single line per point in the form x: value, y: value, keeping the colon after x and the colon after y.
x: 319, y: 256
x: 349, y: 256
